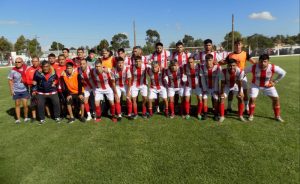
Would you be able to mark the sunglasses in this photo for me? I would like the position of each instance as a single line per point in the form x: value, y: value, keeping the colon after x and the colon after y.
x: 18, y: 62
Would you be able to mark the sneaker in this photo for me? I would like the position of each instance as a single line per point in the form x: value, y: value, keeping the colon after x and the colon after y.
x: 251, y: 117
x: 26, y: 120
x: 216, y: 118
x: 89, y: 118
x: 97, y: 120
x: 119, y: 117
x: 242, y: 119
x: 204, y: 117
x: 33, y: 120
x: 42, y: 121
x: 187, y: 116
x: 57, y: 120
x: 278, y: 118
x: 18, y: 121
x: 135, y: 116
x: 199, y: 117
x: 82, y: 119
x: 71, y: 120
x: 172, y: 116
x: 222, y: 118
x: 145, y: 116
x: 157, y: 109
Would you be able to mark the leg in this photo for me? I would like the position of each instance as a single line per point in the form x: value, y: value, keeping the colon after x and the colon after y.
x: 199, y: 99
x: 41, y: 106
x: 55, y: 105
x: 17, y: 108
x: 252, y: 108
x: 171, y: 105
x: 187, y: 105
x: 135, y: 111
x: 25, y: 106
x: 144, y: 103
x: 150, y: 106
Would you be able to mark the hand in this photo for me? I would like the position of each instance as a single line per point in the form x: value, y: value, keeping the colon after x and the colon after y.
x: 69, y: 97
x: 241, y: 94
x: 53, y: 84
x: 270, y: 84
x: 81, y: 97
x: 222, y: 95
x: 117, y: 98
x: 33, y: 93
x: 12, y: 93
x: 105, y: 70
x: 34, y: 83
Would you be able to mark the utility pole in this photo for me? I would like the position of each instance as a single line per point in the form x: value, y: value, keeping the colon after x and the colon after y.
x: 134, y: 34
x: 232, y: 33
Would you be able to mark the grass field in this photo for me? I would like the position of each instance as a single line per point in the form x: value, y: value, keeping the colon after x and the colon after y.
x: 158, y: 150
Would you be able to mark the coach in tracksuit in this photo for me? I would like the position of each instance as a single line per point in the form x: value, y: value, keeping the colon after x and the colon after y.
x: 45, y: 88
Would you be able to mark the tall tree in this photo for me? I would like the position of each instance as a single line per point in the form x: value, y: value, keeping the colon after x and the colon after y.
x: 227, y: 43
x: 5, y: 46
x: 119, y: 40
x: 198, y: 43
x: 188, y: 41
x: 56, y: 46
x: 103, y: 44
x: 152, y: 37
x: 21, y: 44
x: 34, y: 47
x: 258, y: 41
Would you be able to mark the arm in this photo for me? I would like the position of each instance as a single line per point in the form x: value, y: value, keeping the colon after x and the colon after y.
x: 79, y: 78
x: 281, y: 74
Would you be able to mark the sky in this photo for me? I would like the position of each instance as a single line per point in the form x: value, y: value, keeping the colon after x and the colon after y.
x: 85, y: 22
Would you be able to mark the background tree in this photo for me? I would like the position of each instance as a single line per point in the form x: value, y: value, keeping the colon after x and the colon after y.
x: 103, y: 44
x: 34, y: 47
x: 258, y: 41
x: 119, y: 40
x: 5, y: 47
x: 227, y: 43
x: 152, y: 37
x: 188, y: 41
x: 20, y: 45
x: 56, y: 46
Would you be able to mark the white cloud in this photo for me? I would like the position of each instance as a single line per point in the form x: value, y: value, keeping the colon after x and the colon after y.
x: 8, y: 22
x: 265, y: 15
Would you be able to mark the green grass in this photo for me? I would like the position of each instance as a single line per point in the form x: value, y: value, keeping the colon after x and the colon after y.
x: 159, y: 150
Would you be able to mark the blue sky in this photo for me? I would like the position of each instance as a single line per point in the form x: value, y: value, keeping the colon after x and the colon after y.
x: 86, y: 22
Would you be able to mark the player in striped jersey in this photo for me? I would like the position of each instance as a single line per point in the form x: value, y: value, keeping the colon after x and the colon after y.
x: 209, y: 74
x: 104, y: 84
x: 127, y: 59
x: 173, y: 77
x: 231, y: 81
x: 208, y: 49
x: 137, y: 51
x: 122, y: 77
x: 180, y: 55
x: 139, y: 84
x: 192, y: 71
x: 84, y: 70
x: 157, y: 86
x: 262, y: 79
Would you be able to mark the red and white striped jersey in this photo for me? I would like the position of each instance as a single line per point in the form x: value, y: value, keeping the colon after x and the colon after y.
x: 121, y: 76
x: 162, y: 58
x: 138, y: 75
x: 202, y: 55
x: 144, y: 60
x: 231, y: 78
x: 86, y: 76
x: 261, y: 77
x: 210, y: 77
x: 182, y: 58
x: 156, y: 79
x: 193, y: 75
x: 127, y: 61
x: 174, y: 78
x: 102, y: 80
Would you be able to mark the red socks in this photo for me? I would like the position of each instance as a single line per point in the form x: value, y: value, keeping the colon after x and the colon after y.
x: 87, y: 107
x: 200, y: 107
x: 241, y: 109
x: 187, y: 107
x: 112, y: 110
x: 135, y: 109
x: 98, y: 111
x: 144, y: 109
x: 222, y: 109
x: 171, y: 104
x: 276, y: 111
x: 252, y: 107
x: 150, y: 112
x: 129, y: 107
x: 118, y: 108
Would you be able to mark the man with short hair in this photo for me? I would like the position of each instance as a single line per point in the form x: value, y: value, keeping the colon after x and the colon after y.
x: 80, y: 56
x: 208, y: 49
x: 52, y: 60
x: 137, y: 51
x: 91, y: 59
x: 17, y: 85
x: 45, y: 87
x: 139, y: 85
x: 65, y: 52
x: 73, y: 88
x: 209, y: 75
x: 231, y: 82
x: 127, y: 59
x: 122, y: 77
x: 104, y: 84
x: 262, y: 80
x: 180, y: 55
x: 29, y: 77
x: 107, y: 59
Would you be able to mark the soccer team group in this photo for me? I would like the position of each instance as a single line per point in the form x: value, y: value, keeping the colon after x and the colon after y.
x: 77, y: 88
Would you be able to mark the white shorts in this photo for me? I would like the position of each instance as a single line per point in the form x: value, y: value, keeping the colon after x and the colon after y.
x: 212, y: 93
x: 87, y: 92
x: 107, y: 92
x: 189, y: 91
x: 234, y: 90
x: 266, y: 91
x: 245, y: 83
x: 143, y: 89
x: 173, y: 91
x: 121, y: 90
x: 153, y: 93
